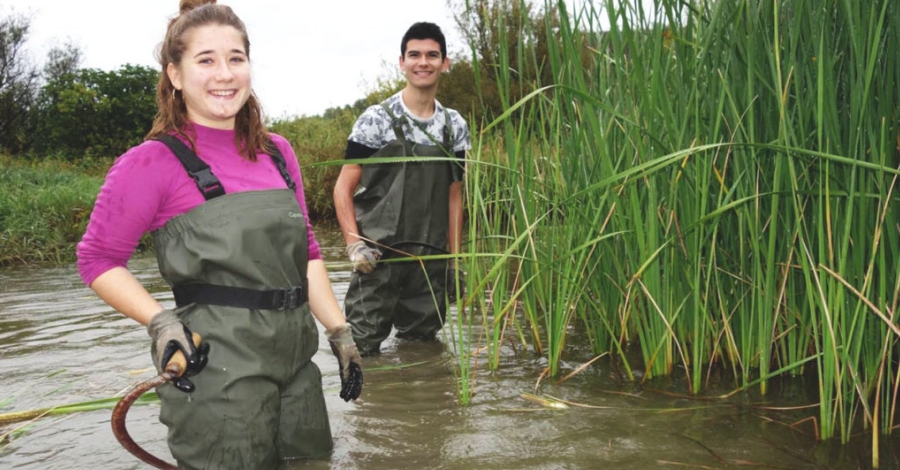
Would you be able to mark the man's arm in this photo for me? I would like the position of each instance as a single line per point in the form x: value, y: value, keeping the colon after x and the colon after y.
x: 454, y: 235
x: 343, y: 201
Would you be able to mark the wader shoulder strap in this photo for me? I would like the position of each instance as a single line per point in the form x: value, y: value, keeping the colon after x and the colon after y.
x: 396, y: 123
x: 278, y: 158
x: 448, y: 131
x: 207, y: 183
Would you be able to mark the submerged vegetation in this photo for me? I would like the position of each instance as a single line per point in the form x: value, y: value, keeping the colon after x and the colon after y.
x: 712, y: 183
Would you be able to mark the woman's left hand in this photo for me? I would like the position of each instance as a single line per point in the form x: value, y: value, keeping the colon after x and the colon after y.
x: 344, y: 348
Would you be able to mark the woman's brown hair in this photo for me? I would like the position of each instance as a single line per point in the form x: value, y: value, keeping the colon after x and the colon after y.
x: 251, y: 135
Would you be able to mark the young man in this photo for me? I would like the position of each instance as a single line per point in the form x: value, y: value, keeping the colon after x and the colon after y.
x: 401, y: 208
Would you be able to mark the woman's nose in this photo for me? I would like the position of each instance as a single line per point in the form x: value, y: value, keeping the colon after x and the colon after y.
x: 224, y: 72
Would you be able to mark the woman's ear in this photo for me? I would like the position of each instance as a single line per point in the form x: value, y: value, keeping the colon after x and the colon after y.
x: 174, y: 76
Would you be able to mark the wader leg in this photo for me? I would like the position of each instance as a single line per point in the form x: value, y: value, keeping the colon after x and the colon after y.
x: 369, y: 307
x: 304, y: 431
x: 421, y: 310
x: 223, y: 424
x: 236, y: 416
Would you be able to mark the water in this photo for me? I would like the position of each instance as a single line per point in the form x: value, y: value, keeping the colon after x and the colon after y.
x: 59, y: 344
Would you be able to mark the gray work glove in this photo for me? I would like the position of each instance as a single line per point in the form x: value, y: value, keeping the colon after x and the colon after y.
x: 344, y: 349
x: 363, y: 256
x: 171, y: 336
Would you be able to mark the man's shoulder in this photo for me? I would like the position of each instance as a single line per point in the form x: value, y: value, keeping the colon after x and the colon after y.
x: 455, y: 115
x: 376, y: 112
x: 457, y: 121
x: 372, y: 127
x: 394, y: 104
x: 372, y: 116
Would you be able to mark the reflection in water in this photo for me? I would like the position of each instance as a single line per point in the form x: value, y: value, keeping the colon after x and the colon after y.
x: 59, y: 344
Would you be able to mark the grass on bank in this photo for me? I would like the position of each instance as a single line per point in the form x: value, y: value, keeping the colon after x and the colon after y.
x: 46, y: 202
x: 44, y: 209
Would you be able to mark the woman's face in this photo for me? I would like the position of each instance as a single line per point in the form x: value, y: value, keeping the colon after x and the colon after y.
x: 214, y: 75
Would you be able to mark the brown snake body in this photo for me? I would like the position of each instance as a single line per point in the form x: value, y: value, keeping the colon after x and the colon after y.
x: 121, y: 411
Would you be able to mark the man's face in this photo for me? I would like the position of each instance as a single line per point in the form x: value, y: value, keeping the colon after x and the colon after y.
x: 423, y: 64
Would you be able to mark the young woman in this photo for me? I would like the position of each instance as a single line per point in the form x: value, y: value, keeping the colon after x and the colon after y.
x: 223, y: 200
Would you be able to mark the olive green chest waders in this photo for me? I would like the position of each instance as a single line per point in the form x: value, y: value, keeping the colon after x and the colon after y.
x: 237, y: 266
x: 404, y: 205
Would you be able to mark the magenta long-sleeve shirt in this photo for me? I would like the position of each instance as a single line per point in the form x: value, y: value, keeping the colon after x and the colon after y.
x: 147, y: 186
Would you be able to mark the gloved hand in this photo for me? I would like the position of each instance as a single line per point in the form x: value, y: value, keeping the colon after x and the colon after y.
x: 363, y: 256
x: 344, y: 349
x: 455, y: 275
x: 170, y: 336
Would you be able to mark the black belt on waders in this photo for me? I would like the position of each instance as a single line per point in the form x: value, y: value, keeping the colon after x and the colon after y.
x: 230, y: 296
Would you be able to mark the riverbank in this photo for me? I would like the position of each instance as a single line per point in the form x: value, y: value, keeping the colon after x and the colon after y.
x: 45, y: 206
x: 44, y: 209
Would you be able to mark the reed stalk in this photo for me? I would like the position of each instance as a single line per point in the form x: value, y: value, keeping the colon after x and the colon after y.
x: 712, y: 184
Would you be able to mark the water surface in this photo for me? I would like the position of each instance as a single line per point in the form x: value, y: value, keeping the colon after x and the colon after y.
x: 59, y: 344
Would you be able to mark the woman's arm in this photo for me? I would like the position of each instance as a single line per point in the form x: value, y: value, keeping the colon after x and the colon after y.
x: 123, y: 292
x: 322, y: 301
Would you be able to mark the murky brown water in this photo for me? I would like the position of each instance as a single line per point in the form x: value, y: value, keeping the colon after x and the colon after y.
x: 59, y: 344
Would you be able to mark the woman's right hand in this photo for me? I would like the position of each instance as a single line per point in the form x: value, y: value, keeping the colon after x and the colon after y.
x: 170, y: 336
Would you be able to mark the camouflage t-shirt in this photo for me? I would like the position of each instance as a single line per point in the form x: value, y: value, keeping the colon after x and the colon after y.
x: 373, y: 127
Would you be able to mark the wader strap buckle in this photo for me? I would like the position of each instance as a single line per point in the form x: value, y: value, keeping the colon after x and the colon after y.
x: 208, y: 184
x: 229, y: 296
x: 290, y: 298
x: 199, y: 170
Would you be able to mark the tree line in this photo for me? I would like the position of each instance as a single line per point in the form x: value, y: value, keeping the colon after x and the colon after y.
x: 62, y: 110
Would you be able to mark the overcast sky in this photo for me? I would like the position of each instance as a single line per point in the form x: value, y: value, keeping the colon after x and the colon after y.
x: 307, y: 55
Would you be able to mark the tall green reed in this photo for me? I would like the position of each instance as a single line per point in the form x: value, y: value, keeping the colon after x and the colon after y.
x: 714, y: 185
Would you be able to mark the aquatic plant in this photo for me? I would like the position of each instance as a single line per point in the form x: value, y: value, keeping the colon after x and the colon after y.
x: 710, y: 183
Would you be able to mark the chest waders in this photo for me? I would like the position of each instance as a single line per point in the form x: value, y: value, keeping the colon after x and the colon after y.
x: 403, y: 205
x: 237, y: 267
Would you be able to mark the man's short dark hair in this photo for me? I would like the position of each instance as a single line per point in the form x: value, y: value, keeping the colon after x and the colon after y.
x: 424, y: 30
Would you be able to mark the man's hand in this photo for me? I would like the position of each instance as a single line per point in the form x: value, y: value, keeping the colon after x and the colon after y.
x: 171, y: 336
x: 363, y: 256
x: 344, y: 349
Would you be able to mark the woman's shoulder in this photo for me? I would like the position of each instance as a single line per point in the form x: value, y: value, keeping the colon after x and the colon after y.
x: 283, y: 145
x: 149, y: 164
x: 146, y: 153
x: 279, y: 140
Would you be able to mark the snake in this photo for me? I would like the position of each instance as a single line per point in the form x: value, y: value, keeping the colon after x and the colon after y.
x: 174, y: 368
